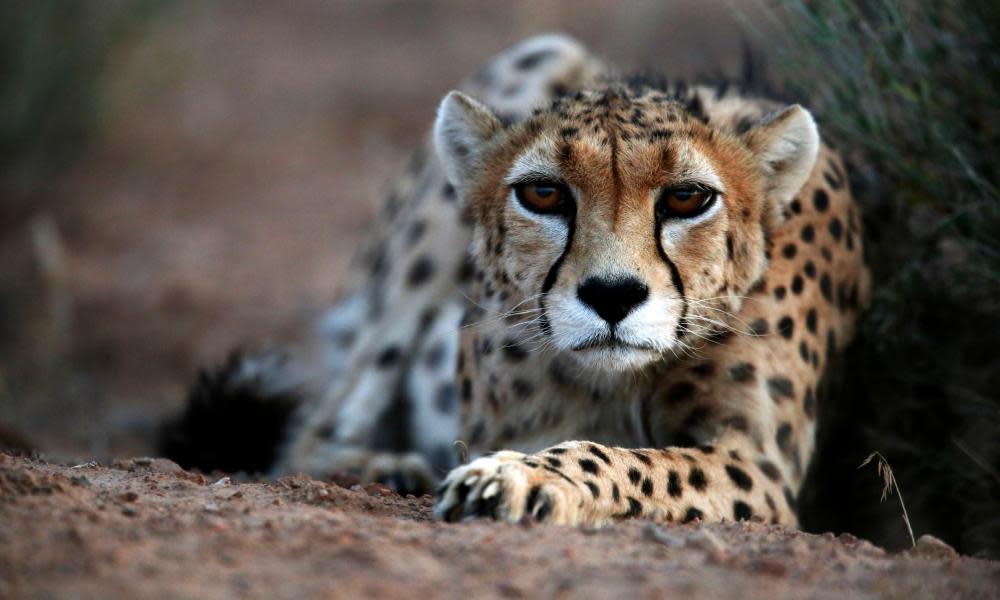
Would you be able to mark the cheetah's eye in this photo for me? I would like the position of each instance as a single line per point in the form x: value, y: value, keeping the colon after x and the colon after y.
x: 542, y: 197
x: 684, y: 203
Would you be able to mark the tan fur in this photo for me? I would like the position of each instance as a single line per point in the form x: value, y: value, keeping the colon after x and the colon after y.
x: 741, y: 395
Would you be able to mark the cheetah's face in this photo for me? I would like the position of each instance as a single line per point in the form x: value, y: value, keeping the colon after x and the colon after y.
x: 626, y: 227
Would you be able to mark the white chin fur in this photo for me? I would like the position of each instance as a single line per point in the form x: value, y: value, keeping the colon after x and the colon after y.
x: 616, y: 360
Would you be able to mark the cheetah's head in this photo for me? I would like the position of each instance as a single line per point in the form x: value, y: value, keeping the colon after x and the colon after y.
x: 628, y: 223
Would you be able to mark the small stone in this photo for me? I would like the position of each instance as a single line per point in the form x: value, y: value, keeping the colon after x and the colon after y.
x: 929, y: 546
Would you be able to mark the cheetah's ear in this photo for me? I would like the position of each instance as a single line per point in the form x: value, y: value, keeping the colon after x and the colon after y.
x: 785, y: 144
x: 462, y: 129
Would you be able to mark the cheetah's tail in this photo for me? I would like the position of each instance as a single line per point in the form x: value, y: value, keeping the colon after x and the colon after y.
x: 237, y: 415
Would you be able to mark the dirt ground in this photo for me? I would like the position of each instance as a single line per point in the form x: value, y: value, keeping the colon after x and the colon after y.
x: 145, y: 528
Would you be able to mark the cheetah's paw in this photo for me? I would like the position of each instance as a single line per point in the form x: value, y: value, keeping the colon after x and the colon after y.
x: 509, y: 486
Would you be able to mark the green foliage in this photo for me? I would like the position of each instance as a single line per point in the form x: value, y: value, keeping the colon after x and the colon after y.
x: 52, y: 55
x: 907, y: 92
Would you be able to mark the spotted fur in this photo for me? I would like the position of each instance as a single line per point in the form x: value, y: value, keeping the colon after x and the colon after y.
x: 467, y: 318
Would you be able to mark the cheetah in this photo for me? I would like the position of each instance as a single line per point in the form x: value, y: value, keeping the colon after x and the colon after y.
x: 618, y: 294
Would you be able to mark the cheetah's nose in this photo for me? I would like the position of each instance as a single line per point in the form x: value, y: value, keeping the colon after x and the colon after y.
x: 612, y: 299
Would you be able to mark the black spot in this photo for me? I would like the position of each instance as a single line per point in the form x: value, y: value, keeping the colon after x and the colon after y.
x: 697, y: 479
x: 634, y: 508
x: 420, y: 271
x: 759, y: 327
x: 842, y: 295
x: 780, y: 387
x: 826, y: 287
x: 779, y: 292
x: 634, y: 475
x: 647, y: 487
x: 448, y: 192
x: 692, y: 514
x: 810, y: 269
x: 737, y: 422
x: 769, y: 469
x: 415, y: 232
x: 446, y: 396
x: 718, y: 336
x: 832, y: 181
x: 795, y: 206
x: 742, y: 372
x: 739, y: 477
x: 533, y: 59
x: 555, y: 462
x: 742, y: 511
x: 784, y: 436
x: 388, y: 357
x: 568, y: 131
x: 522, y: 388
x: 696, y: 418
x: 435, y: 356
x: 808, y: 234
x: 729, y: 245
x: 466, y: 389
x: 850, y: 241
x: 641, y: 457
x: 594, y: 490
x: 513, y: 352
x: 532, y: 500
x: 811, y: 320
x: 836, y: 228
x: 588, y: 466
x: 789, y: 251
x: 804, y: 351
x: 704, y: 369
x: 809, y: 403
x: 599, y: 454
x: 786, y: 327
x: 616, y: 495
x: 821, y: 200
x: 680, y: 392
x: 674, y: 484
x: 556, y: 451
x: 559, y: 376
x: 797, y: 283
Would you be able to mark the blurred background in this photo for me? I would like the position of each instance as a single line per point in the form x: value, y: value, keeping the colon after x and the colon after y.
x: 186, y: 177
x: 180, y: 178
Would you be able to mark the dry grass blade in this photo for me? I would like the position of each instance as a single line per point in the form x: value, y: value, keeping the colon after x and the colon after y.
x: 888, y: 484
